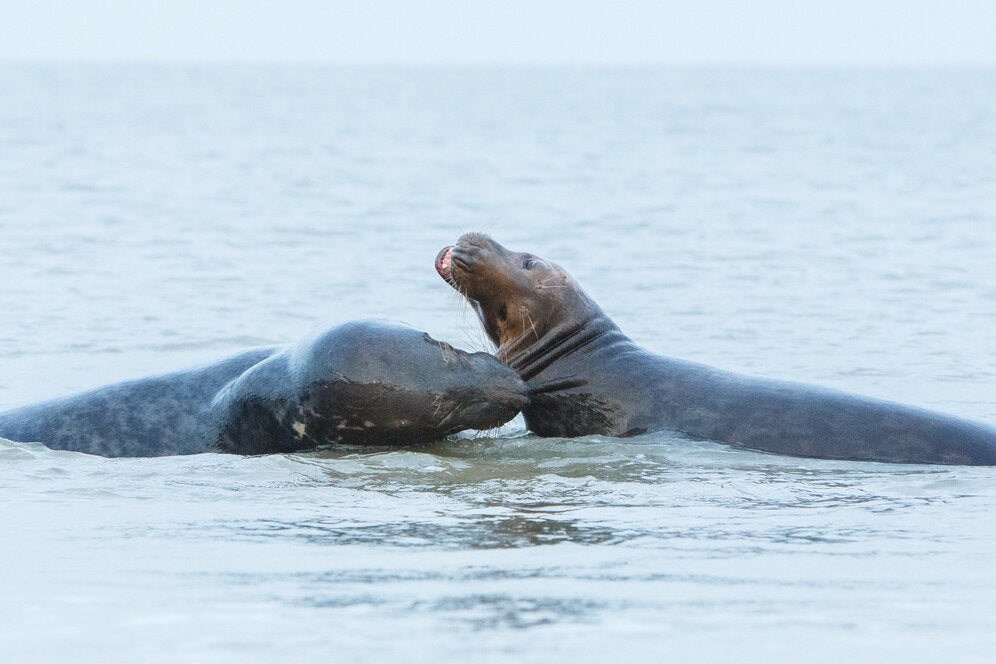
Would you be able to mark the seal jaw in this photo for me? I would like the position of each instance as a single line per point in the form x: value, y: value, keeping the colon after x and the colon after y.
x: 444, y: 263
x: 504, y: 396
x: 461, y: 265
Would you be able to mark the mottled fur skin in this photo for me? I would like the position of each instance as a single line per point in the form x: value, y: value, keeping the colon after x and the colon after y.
x: 155, y: 416
x: 587, y: 377
x: 360, y: 383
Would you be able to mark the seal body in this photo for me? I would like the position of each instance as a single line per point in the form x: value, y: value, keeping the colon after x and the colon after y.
x: 587, y: 377
x: 360, y: 383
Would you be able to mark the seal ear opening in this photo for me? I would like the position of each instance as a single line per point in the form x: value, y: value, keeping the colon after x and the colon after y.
x: 503, y: 313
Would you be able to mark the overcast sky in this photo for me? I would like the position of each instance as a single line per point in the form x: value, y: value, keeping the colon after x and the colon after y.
x: 874, y: 32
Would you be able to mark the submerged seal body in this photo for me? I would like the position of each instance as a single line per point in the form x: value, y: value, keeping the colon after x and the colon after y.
x: 360, y: 383
x: 587, y: 377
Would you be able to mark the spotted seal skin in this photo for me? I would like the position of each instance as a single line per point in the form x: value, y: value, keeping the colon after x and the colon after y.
x: 360, y: 383
x: 587, y: 377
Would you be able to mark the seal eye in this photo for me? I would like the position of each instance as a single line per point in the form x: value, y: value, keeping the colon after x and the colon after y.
x: 528, y: 264
x: 503, y: 313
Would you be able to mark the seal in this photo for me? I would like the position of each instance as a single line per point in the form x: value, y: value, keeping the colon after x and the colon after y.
x: 587, y: 377
x: 359, y: 383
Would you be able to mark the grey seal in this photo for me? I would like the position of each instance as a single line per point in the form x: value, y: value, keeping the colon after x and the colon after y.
x: 360, y: 383
x: 587, y: 377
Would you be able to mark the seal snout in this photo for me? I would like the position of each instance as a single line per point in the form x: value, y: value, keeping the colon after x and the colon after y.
x: 511, y: 391
x: 505, y: 398
x: 444, y: 263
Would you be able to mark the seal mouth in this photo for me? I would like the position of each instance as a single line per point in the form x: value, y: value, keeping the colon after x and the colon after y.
x: 444, y: 263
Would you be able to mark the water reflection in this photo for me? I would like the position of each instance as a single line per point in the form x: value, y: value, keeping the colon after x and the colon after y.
x: 502, y: 532
x: 476, y: 611
x: 505, y: 611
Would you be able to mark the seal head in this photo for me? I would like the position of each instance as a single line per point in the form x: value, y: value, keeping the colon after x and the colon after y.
x: 519, y: 297
x: 368, y: 383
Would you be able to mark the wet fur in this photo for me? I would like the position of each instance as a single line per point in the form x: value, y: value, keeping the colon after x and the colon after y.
x: 364, y: 383
x: 587, y: 377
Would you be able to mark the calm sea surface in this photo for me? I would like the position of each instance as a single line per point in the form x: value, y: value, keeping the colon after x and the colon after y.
x: 833, y: 227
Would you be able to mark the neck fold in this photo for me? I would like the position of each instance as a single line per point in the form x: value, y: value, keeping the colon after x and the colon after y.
x: 529, y: 355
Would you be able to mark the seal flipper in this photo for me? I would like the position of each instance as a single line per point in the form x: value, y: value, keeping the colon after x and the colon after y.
x: 555, y: 385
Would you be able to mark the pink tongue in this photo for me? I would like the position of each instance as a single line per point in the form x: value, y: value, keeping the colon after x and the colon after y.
x: 443, y: 262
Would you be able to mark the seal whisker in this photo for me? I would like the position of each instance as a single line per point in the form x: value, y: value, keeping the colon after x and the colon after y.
x: 532, y: 324
x: 475, y: 337
x: 546, y: 282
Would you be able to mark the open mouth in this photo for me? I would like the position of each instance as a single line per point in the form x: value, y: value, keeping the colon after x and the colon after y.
x: 444, y: 263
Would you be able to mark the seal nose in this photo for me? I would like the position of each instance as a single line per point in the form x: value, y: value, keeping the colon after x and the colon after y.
x: 444, y: 262
x: 496, y: 394
x: 514, y: 391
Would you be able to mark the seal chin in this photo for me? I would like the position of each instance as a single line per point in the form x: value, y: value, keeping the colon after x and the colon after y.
x: 444, y: 263
x: 484, y: 416
x: 502, y: 396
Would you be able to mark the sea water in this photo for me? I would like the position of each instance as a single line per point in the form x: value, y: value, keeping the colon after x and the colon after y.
x: 835, y: 227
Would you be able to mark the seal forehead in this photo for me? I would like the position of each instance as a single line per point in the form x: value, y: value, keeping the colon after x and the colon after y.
x: 478, y: 240
x: 501, y: 253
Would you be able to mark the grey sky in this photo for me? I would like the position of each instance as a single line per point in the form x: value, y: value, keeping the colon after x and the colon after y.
x: 878, y: 32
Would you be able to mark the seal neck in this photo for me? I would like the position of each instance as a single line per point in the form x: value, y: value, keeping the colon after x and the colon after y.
x: 530, y: 355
